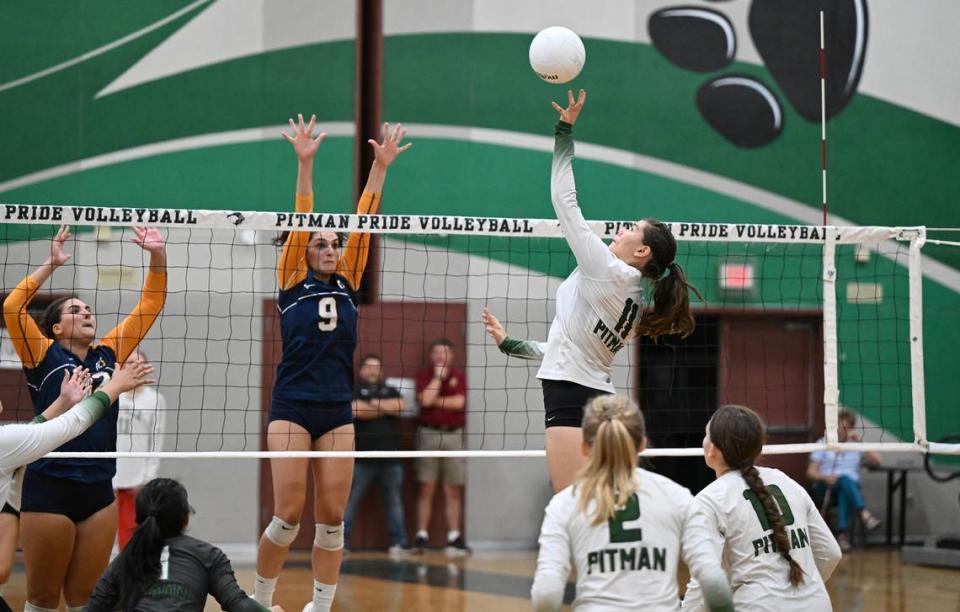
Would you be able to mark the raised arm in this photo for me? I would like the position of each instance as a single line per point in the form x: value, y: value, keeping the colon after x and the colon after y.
x: 23, y: 443
x: 29, y: 342
x: 353, y: 262
x: 73, y: 389
x: 292, y: 265
x: 522, y: 349
x: 593, y: 256
x: 124, y: 338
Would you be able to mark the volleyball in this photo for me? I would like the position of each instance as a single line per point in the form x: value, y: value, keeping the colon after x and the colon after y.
x: 557, y: 55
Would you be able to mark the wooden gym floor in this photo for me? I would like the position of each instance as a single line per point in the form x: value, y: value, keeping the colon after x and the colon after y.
x: 873, y: 579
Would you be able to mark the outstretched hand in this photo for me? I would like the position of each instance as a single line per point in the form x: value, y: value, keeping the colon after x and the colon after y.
x: 570, y: 114
x: 57, y: 255
x: 388, y: 150
x: 494, y: 329
x: 304, y: 144
x: 131, y: 375
x: 76, y: 385
x: 149, y: 239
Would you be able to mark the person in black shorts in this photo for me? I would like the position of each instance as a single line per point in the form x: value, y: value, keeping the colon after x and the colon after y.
x: 310, y: 407
x: 599, y: 308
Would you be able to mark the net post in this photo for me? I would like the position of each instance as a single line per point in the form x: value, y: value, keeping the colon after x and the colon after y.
x: 915, y: 274
x: 831, y: 381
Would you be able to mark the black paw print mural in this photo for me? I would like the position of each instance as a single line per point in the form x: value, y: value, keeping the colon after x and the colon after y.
x: 786, y: 34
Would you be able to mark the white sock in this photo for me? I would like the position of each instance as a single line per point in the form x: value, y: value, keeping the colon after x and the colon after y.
x: 75, y: 608
x: 3, y: 588
x: 263, y: 590
x: 323, y: 596
x: 452, y: 535
x: 29, y: 607
x: 422, y: 533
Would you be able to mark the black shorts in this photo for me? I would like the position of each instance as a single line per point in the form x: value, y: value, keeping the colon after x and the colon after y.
x: 564, y: 402
x: 317, y: 418
x: 76, y: 500
x: 8, y: 509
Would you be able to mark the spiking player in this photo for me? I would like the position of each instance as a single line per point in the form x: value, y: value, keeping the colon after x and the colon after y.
x: 599, y: 307
x: 620, y: 525
x: 758, y: 523
x: 311, y: 407
x: 69, y: 516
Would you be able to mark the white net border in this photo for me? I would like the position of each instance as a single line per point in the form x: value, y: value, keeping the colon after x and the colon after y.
x: 829, y: 236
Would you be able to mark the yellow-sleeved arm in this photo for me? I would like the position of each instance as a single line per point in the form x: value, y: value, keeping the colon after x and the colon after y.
x: 354, y: 259
x: 30, y: 343
x: 124, y: 338
x: 292, y: 266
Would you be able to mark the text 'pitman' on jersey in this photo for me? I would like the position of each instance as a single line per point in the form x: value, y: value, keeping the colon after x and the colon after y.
x: 768, y: 543
x: 627, y: 559
x: 613, y: 339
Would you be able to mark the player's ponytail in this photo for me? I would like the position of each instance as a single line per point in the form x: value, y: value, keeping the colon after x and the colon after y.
x: 737, y: 432
x: 162, y: 513
x: 669, y: 311
x: 614, y: 429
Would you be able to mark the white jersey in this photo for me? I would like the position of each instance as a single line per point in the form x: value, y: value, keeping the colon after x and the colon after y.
x: 728, y: 525
x: 600, y: 302
x: 140, y: 427
x: 23, y: 443
x: 620, y: 563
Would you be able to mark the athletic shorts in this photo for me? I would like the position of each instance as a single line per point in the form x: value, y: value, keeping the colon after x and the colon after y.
x: 317, y: 418
x: 564, y: 402
x: 448, y: 470
x: 76, y: 500
x: 8, y: 509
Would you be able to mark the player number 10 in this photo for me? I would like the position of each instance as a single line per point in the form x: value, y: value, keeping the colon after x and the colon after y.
x: 328, y: 314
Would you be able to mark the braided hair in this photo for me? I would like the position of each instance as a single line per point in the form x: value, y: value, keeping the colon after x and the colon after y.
x: 738, y: 433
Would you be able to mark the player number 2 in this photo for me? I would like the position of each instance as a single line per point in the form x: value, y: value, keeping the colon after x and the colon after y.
x: 629, y: 512
x: 328, y: 314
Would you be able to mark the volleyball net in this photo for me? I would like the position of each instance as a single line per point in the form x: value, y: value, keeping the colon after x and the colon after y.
x: 799, y: 323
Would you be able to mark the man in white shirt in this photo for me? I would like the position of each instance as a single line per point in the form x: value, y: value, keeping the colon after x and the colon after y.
x: 140, y: 427
x: 836, y: 475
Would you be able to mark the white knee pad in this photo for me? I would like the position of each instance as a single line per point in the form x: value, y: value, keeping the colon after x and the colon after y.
x: 281, y: 532
x: 328, y: 537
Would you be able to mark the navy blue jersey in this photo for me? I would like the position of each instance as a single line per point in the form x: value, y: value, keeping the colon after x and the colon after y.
x: 44, y: 383
x: 318, y: 324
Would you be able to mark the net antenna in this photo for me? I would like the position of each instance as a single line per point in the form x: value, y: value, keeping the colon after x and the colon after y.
x: 823, y: 119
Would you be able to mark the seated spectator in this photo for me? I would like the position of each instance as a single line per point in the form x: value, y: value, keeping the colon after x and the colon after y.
x: 376, y: 412
x: 836, y: 477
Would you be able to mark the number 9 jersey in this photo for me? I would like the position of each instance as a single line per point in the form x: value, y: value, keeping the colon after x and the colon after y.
x: 318, y: 320
x: 318, y: 324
